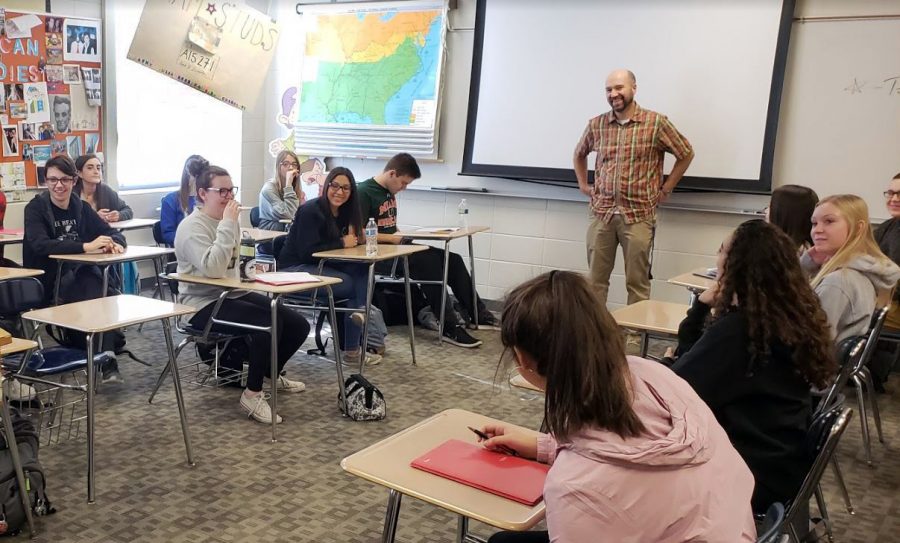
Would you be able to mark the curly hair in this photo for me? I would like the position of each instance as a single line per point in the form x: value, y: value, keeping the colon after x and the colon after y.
x: 762, y: 272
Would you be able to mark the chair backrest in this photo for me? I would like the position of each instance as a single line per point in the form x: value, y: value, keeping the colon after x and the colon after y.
x: 172, y: 267
x: 254, y: 217
x: 157, y: 234
x: 771, y: 526
x: 875, y: 327
x: 20, y: 295
x: 821, y: 441
x: 849, y: 355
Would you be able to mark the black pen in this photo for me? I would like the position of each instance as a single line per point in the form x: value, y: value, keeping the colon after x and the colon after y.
x: 503, y: 448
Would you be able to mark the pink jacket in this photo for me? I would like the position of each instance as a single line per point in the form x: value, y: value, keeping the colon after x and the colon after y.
x: 680, y: 481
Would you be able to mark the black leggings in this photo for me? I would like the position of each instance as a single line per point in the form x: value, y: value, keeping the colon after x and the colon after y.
x: 520, y: 537
x: 253, y: 308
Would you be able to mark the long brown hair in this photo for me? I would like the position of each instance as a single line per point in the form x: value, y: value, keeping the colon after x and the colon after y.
x: 762, y: 272
x: 558, y: 320
x: 279, y: 178
x: 790, y: 209
x: 193, y: 167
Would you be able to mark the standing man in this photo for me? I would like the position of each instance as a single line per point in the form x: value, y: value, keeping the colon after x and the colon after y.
x: 628, y: 183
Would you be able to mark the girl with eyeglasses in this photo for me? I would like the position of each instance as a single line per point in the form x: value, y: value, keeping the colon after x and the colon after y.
x: 101, y: 197
x: 333, y: 221
x: 59, y: 222
x: 280, y: 196
x: 636, y: 454
x: 207, y: 244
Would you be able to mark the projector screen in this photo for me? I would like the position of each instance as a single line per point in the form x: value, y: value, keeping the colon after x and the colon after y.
x: 714, y: 67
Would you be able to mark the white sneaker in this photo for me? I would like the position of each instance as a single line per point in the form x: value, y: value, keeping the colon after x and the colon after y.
x: 351, y: 358
x: 20, y: 391
x: 287, y: 385
x: 259, y: 409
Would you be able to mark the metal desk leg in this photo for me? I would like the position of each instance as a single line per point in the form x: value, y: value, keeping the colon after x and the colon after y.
x: 157, y: 267
x: 474, y: 290
x: 59, y: 266
x: 176, y: 379
x: 364, y: 342
x: 409, y: 315
x: 443, y: 316
x: 91, y: 384
x: 391, y: 517
x: 13, y: 446
x: 645, y: 343
x: 332, y: 314
x: 105, y: 281
x: 273, y: 357
x: 462, y: 532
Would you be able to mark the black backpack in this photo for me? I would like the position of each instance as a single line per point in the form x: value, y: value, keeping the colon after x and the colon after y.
x: 12, y: 514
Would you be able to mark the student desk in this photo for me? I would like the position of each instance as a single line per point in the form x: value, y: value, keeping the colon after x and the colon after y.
x: 276, y: 292
x: 133, y: 253
x: 387, y: 463
x: 12, y: 239
x: 133, y: 224
x: 17, y: 345
x: 446, y: 237
x: 18, y: 273
x: 385, y: 252
x: 101, y: 315
x: 651, y: 317
x: 693, y: 282
x: 260, y: 236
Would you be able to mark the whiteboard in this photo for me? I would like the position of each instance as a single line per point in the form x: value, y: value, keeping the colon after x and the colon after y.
x: 840, y: 116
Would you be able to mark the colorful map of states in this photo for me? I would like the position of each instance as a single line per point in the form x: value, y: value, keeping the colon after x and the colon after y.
x: 363, y: 62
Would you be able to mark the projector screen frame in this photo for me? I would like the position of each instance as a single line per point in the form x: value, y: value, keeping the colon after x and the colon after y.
x: 566, y: 176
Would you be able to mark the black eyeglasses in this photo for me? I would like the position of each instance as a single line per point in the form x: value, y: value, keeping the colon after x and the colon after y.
x: 891, y: 193
x: 337, y: 186
x: 289, y: 164
x: 224, y: 192
x: 59, y: 180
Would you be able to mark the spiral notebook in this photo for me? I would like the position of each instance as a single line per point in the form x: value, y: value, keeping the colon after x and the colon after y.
x: 512, y: 477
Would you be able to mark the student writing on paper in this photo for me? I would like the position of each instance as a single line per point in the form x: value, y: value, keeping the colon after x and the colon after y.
x: 378, y: 198
x: 59, y: 222
x: 280, y: 196
x: 332, y: 221
x: 767, y: 343
x: 101, y: 197
x: 207, y: 244
x: 790, y: 209
x: 849, y: 270
x: 636, y: 454
x: 176, y: 205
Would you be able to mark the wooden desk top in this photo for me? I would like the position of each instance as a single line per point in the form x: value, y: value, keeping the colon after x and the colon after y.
x: 10, y: 239
x: 18, y: 273
x: 109, y: 313
x: 692, y: 281
x: 256, y: 286
x: 133, y: 224
x: 387, y: 463
x: 652, y: 316
x: 460, y: 233
x: 386, y: 251
x: 259, y: 235
x: 17, y: 345
x: 519, y: 382
x: 132, y: 252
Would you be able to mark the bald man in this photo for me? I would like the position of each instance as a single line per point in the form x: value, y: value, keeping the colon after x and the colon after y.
x: 630, y: 142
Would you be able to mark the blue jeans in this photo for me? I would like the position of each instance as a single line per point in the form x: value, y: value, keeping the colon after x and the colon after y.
x: 354, y: 281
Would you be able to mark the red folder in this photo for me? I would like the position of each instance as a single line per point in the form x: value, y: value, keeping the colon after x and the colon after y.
x: 512, y: 477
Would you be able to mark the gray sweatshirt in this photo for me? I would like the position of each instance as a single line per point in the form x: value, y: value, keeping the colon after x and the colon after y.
x: 272, y: 208
x: 207, y: 247
x: 848, y: 294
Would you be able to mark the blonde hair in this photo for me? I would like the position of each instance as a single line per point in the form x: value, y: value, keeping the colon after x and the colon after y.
x: 860, y: 239
x: 279, y: 179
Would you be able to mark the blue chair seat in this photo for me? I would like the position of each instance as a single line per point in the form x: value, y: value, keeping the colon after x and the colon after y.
x: 54, y: 361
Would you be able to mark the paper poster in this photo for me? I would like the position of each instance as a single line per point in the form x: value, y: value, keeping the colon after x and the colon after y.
x: 91, y: 143
x: 84, y: 116
x: 92, y: 85
x: 4, y: 118
x: 205, y: 34
x: 54, y: 55
x: 28, y: 131
x: 62, y: 112
x: 53, y: 40
x: 10, y: 140
x: 73, y: 146
x: 71, y: 74
x: 54, y: 73
x: 17, y: 110
x: 27, y: 151
x: 54, y: 25
x: 58, y: 147
x: 13, y: 174
x: 82, y: 40
x: 20, y: 27
x: 13, y: 91
x: 2, y: 21
x: 36, y: 102
x: 41, y: 154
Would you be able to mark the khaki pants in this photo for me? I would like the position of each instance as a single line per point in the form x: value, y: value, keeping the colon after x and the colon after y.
x: 603, y: 239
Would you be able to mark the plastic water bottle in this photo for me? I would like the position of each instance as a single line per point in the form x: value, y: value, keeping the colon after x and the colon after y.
x: 462, y: 214
x: 371, y: 238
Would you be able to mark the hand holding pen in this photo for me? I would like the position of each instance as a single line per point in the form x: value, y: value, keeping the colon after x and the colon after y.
x: 499, y: 438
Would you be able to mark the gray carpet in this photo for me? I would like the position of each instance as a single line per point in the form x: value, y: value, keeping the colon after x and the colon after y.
x: 245, y: 488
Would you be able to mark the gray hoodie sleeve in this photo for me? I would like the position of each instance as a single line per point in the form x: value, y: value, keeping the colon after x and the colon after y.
x: 280, y: 208
x: 210, y: 256
x: 835, y: 301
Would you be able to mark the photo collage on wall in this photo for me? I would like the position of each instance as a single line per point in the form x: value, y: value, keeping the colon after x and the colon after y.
x: 50, y: 93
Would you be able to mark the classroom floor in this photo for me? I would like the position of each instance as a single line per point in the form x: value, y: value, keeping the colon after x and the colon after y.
x: 245, y: 488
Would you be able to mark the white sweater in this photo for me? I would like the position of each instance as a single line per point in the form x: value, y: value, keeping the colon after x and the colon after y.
x: 207, y: 247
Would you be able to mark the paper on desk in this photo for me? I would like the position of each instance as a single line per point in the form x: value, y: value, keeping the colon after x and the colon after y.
x: 437, y: 229
x: 286, y: 278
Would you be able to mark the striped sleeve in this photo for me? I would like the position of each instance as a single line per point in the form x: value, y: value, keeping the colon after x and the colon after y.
x: 670, y: 140
x: 586, y: 143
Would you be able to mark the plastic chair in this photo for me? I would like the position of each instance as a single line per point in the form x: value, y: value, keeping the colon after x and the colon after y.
x: 862, y: 381
x: 822, y: 439
x: 771, y: 526
x: 254, y: 217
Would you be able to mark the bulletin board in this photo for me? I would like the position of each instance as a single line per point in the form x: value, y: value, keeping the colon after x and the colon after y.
x: 51, y: 93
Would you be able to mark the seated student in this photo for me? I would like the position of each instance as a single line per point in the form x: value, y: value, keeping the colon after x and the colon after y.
x: 378, y: 199
x: 768, y: 342
x: 58, y: 222
x: 322, y: 224
x: 176, y: 205
x: 888, y: 237
x: 280, y: 197
x: 849, y: 269
x: 207, y: 244
x: 790, y: 210
x: 102, y: 199
x: 636, y: 454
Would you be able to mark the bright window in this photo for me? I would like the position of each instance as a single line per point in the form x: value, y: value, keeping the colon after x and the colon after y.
x: 160, y: 122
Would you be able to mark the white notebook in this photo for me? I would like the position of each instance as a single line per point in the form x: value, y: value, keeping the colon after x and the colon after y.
x: 286, y: 278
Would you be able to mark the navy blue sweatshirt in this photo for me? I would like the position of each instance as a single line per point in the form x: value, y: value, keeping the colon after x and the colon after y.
x: 310, y: 233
